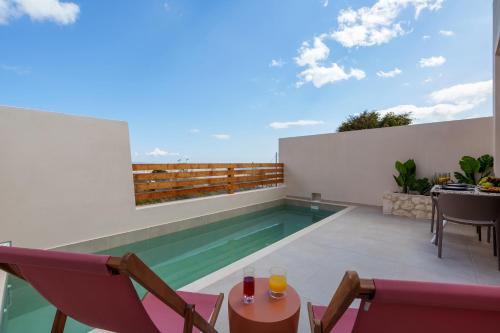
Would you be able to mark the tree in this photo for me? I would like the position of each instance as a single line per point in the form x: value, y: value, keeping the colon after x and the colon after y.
x: 391, y: 119
x: 364, y: 120
x: 372, y: 119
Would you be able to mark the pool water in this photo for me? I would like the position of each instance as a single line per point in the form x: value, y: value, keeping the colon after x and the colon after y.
x: 178, y: 258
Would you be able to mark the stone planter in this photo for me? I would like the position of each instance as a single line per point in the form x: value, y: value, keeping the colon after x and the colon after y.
x: 409, y: 205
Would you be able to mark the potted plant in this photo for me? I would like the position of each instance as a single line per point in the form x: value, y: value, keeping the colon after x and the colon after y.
x: 413, y: 200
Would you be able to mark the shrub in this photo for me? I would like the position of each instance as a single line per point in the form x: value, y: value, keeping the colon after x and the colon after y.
x: 422, y: 186
x: 372, y: 119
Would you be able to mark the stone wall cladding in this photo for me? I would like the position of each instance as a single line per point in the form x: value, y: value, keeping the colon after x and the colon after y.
x: 409, y: 205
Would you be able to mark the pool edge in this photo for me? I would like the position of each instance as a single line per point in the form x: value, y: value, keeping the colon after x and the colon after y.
x: 129, y: 237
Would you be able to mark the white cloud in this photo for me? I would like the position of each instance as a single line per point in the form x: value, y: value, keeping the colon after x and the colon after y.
x: 375, y: 25
x: 321, y: 75
x: 469, y: 93
x: 15, y: 69
x: 157, y: 152
x: 432, y: 61
x: 427, y: 80
x: 194, y: 130
x: 312, y: 55
x: 366, y: 26
x: 287, y: 124
x: 325, y: 3
x: 446, y: 33
x: 39, y: 10
x: 448, y: 102
x: 276, y: 63
x: 221, y: 136
x: 317, y: 74
x: 426, y: 37
x: 395, y: 72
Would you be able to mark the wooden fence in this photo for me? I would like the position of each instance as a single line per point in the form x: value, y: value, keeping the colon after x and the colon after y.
x: 170, y: 181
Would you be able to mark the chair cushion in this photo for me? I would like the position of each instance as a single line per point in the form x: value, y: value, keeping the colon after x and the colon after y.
x: 166, y: 320
x: 346, y: 322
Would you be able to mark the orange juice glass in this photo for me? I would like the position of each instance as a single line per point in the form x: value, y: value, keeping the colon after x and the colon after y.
x: 277, y: 282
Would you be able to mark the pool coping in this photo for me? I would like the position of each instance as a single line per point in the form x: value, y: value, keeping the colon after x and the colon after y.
x: 213, y: 277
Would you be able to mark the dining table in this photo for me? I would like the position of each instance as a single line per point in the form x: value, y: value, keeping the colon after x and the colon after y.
x: 470, y: 191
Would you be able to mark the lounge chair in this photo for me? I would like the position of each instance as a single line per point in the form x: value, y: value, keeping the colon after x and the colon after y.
x: 97, y: 290
x: 392, y: 306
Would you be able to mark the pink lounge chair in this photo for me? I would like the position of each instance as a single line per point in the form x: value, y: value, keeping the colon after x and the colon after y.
x: 97, y: 290
x: 391, y: 306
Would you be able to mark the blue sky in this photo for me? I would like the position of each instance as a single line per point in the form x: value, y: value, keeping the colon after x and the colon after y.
x: 223, y: 80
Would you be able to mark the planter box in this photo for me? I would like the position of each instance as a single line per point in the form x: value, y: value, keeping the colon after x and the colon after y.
x: 409, y: 205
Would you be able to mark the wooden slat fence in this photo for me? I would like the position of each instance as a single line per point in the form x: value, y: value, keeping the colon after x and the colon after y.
x: 171, y: 181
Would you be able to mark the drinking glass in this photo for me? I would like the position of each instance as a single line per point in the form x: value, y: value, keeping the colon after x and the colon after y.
x: 248, y: 285
x: 277, y: 282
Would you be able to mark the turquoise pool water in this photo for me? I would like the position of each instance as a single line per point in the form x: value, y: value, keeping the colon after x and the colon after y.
x: 179, y: 258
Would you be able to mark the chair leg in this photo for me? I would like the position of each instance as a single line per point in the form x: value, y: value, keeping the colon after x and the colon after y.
x: 496, y: 239
x: 478, y: 230
x: 433, y: 215
x: 440, y: 227
x: 495, y: 242
x: 488, y: 236
x: 188, y: 318
x: 59, y: 322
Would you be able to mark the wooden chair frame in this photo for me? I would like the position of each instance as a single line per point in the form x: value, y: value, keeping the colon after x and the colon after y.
x: 350, y: 288
x: 132, y: 266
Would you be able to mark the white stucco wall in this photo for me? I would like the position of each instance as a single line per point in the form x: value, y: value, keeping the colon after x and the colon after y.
x: 67, y: 179
x: 62, y: 177
x: 357, y: 167
x: 183, y: 209
x: 496, y: 82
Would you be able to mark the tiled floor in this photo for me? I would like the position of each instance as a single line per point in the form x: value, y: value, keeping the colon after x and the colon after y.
x: 374, y: 245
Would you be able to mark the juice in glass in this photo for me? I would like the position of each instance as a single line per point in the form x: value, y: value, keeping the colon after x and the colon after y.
x: 277, y: 282
x: 248, y: 285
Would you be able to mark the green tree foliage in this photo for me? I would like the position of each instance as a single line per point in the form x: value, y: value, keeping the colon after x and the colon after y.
x: 372, y: 119
x: 391, y: 119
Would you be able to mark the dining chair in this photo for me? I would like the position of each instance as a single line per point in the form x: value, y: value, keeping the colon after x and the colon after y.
x: 478, y: 211
x: 434, y: 201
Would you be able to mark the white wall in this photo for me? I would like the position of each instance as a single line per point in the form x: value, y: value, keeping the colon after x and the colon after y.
x: 357, y: 167
x: 67, y: 179
x: 496, y: 82
x: 62, y: 178
x: 184, y: 209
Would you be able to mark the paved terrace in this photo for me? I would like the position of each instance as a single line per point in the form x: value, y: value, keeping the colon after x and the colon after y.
x: 375, y: 246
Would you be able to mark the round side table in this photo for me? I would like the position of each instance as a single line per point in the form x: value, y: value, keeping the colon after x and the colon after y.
x: 265, y: 314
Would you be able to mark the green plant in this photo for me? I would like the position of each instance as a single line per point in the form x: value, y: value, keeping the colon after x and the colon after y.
x: 391, y: 119
x: 422, y: 186
x: 373, y: 119
x: 407, y: 175
x: 473, y: 167
x: 364, y: 120
x: 486, y: 165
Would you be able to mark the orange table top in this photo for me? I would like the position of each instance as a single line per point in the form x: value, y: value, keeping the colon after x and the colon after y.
x: 264, y: 309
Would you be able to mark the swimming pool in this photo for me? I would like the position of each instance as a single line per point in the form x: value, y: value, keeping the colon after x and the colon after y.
x: 179, y: 258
